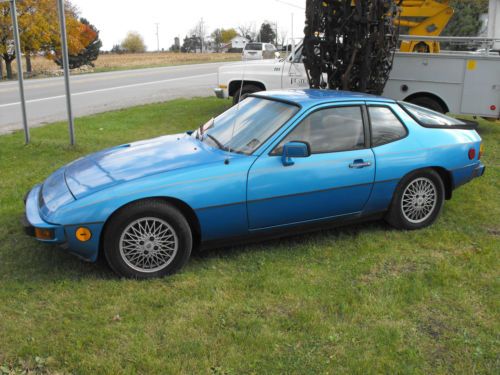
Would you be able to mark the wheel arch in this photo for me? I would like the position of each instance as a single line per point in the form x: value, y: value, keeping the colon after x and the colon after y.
x: 443, y: 173
x: 430, y: 95
x: 182, y: 206
x: 447, y: 179
x: 235, y: 85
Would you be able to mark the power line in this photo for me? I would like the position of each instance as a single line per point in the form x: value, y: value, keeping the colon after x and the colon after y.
x: 290, y: 4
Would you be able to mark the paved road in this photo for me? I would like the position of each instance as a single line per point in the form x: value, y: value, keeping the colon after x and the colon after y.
x: 99, y: 92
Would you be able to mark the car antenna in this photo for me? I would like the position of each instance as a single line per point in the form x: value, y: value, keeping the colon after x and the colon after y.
x: 226, y: 161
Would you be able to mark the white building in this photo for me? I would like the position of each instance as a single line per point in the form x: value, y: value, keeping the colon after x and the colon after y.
x: 238, y: 42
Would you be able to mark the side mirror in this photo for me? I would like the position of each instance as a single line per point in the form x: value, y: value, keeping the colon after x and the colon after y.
x: 277, y: 55
x: 294, y: 150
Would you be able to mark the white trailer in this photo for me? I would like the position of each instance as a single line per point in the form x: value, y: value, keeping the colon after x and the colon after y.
x: 456, y: 82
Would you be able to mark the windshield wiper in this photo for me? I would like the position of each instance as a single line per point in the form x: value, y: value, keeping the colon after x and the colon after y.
x: 217, y: 142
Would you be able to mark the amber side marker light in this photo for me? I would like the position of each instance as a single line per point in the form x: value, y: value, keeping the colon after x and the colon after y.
x: 44, y: 234
x: 481, y: 151
x: 83, y: 234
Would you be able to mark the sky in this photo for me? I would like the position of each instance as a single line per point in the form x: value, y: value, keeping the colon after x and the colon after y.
x: 115, y: 18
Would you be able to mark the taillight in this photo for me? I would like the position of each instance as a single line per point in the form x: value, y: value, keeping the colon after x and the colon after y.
x: 472, y: 153
x: 481, y: 151
x: 493, y: 107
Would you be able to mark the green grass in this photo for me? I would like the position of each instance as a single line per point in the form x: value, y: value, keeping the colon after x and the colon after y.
x: 360, y: 299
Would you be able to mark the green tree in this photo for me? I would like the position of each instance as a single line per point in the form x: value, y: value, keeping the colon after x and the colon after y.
x: 217, y: 38
x: 466, y: 21
x: 133, y: 42
x: 267, y: 33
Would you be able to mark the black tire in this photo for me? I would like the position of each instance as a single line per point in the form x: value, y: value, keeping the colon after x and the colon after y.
x: 399, y: 217
x: 428, y: 102
x: 162, y: 213
x: 245, y: 91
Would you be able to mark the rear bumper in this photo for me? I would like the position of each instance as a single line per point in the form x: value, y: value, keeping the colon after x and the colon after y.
x: 479, y: 171
x: 463, y: 175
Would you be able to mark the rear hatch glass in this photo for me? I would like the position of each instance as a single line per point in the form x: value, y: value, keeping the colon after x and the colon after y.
x: 432, y: 119
x: 253, y: 47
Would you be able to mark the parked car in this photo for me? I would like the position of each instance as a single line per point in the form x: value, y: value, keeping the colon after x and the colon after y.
x: 259, y: 51
x: 279, y: 162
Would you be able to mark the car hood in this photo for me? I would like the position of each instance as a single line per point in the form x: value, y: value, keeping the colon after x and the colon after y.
x: 136, y: 160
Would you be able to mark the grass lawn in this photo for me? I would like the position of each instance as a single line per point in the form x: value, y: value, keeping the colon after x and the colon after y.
x: 359, y: 299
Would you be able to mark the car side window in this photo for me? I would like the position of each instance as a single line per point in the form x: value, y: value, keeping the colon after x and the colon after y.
x: 385, y: 126
x: 329, y: 130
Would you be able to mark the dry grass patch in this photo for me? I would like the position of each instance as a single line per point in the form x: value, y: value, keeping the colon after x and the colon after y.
x: 110, y: 61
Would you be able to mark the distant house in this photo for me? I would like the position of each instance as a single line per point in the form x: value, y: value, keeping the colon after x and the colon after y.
x: 237, y: 44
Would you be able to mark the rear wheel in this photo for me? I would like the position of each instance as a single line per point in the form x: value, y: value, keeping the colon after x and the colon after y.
x: 418, y: 200
x: 146, y: 240
x: 245, y: 91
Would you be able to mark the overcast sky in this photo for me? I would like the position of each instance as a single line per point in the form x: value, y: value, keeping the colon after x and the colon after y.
x: 115, y: 18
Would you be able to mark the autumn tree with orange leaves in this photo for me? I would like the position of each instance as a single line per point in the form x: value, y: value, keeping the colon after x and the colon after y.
x: 39, y: 31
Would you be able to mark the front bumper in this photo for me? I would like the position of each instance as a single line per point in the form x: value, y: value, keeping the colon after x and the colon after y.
x: 63, y: 235
x: 32, y: 219
x: 219, y: 93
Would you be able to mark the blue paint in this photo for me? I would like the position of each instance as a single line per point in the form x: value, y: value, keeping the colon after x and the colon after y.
x: 233, y: 194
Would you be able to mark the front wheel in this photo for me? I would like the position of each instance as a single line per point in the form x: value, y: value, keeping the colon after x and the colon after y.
x: 146, y: 240
x: 418, y: 201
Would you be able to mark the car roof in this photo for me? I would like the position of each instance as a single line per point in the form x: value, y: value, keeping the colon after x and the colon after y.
x: 311, y: 97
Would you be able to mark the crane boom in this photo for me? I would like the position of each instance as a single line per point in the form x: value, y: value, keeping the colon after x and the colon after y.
x: 423, y: 18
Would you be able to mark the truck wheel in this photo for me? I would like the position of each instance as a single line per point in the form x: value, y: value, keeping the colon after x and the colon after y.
x: 427, y: 102
x: 245, y: 91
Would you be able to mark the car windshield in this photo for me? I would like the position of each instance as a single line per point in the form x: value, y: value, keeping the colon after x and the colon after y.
x: 253, y: 47
x: 430, y: 118
x: 245, y: 127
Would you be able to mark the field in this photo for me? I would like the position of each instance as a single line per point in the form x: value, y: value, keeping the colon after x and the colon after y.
x: 362, y: 299
x: 43, y: 67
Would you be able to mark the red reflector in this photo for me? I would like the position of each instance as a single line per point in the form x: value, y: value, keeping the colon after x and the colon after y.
x: 493, y: 107
x: 472, y: 153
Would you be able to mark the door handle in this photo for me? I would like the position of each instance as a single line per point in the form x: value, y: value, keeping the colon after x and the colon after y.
x: 360, y: 163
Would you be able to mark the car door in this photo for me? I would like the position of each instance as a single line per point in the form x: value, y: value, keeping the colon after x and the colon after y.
x: 335, y: 180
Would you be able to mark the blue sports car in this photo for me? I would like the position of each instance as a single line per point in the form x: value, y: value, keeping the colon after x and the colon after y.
x: 279, y: 162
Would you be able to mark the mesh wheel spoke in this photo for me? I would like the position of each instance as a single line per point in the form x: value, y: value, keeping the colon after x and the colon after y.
x: 148, y: 244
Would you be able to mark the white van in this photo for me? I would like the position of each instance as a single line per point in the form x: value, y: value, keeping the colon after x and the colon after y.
x: 259, y: 51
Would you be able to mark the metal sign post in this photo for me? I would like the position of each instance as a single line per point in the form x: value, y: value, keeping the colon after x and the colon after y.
x: 64, y: 50
x: 17, y: 46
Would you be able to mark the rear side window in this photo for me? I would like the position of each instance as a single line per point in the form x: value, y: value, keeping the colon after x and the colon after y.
x: 329, y: 130
x: 253, y: 47
x: 427, y: 117
x: 385, y: 126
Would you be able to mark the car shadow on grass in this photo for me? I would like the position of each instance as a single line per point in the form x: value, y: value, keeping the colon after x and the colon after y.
x: 36, y: 262
x: 287, y: 242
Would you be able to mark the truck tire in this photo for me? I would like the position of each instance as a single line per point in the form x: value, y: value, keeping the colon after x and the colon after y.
x: 245, y: 91
x: 427, y: 102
